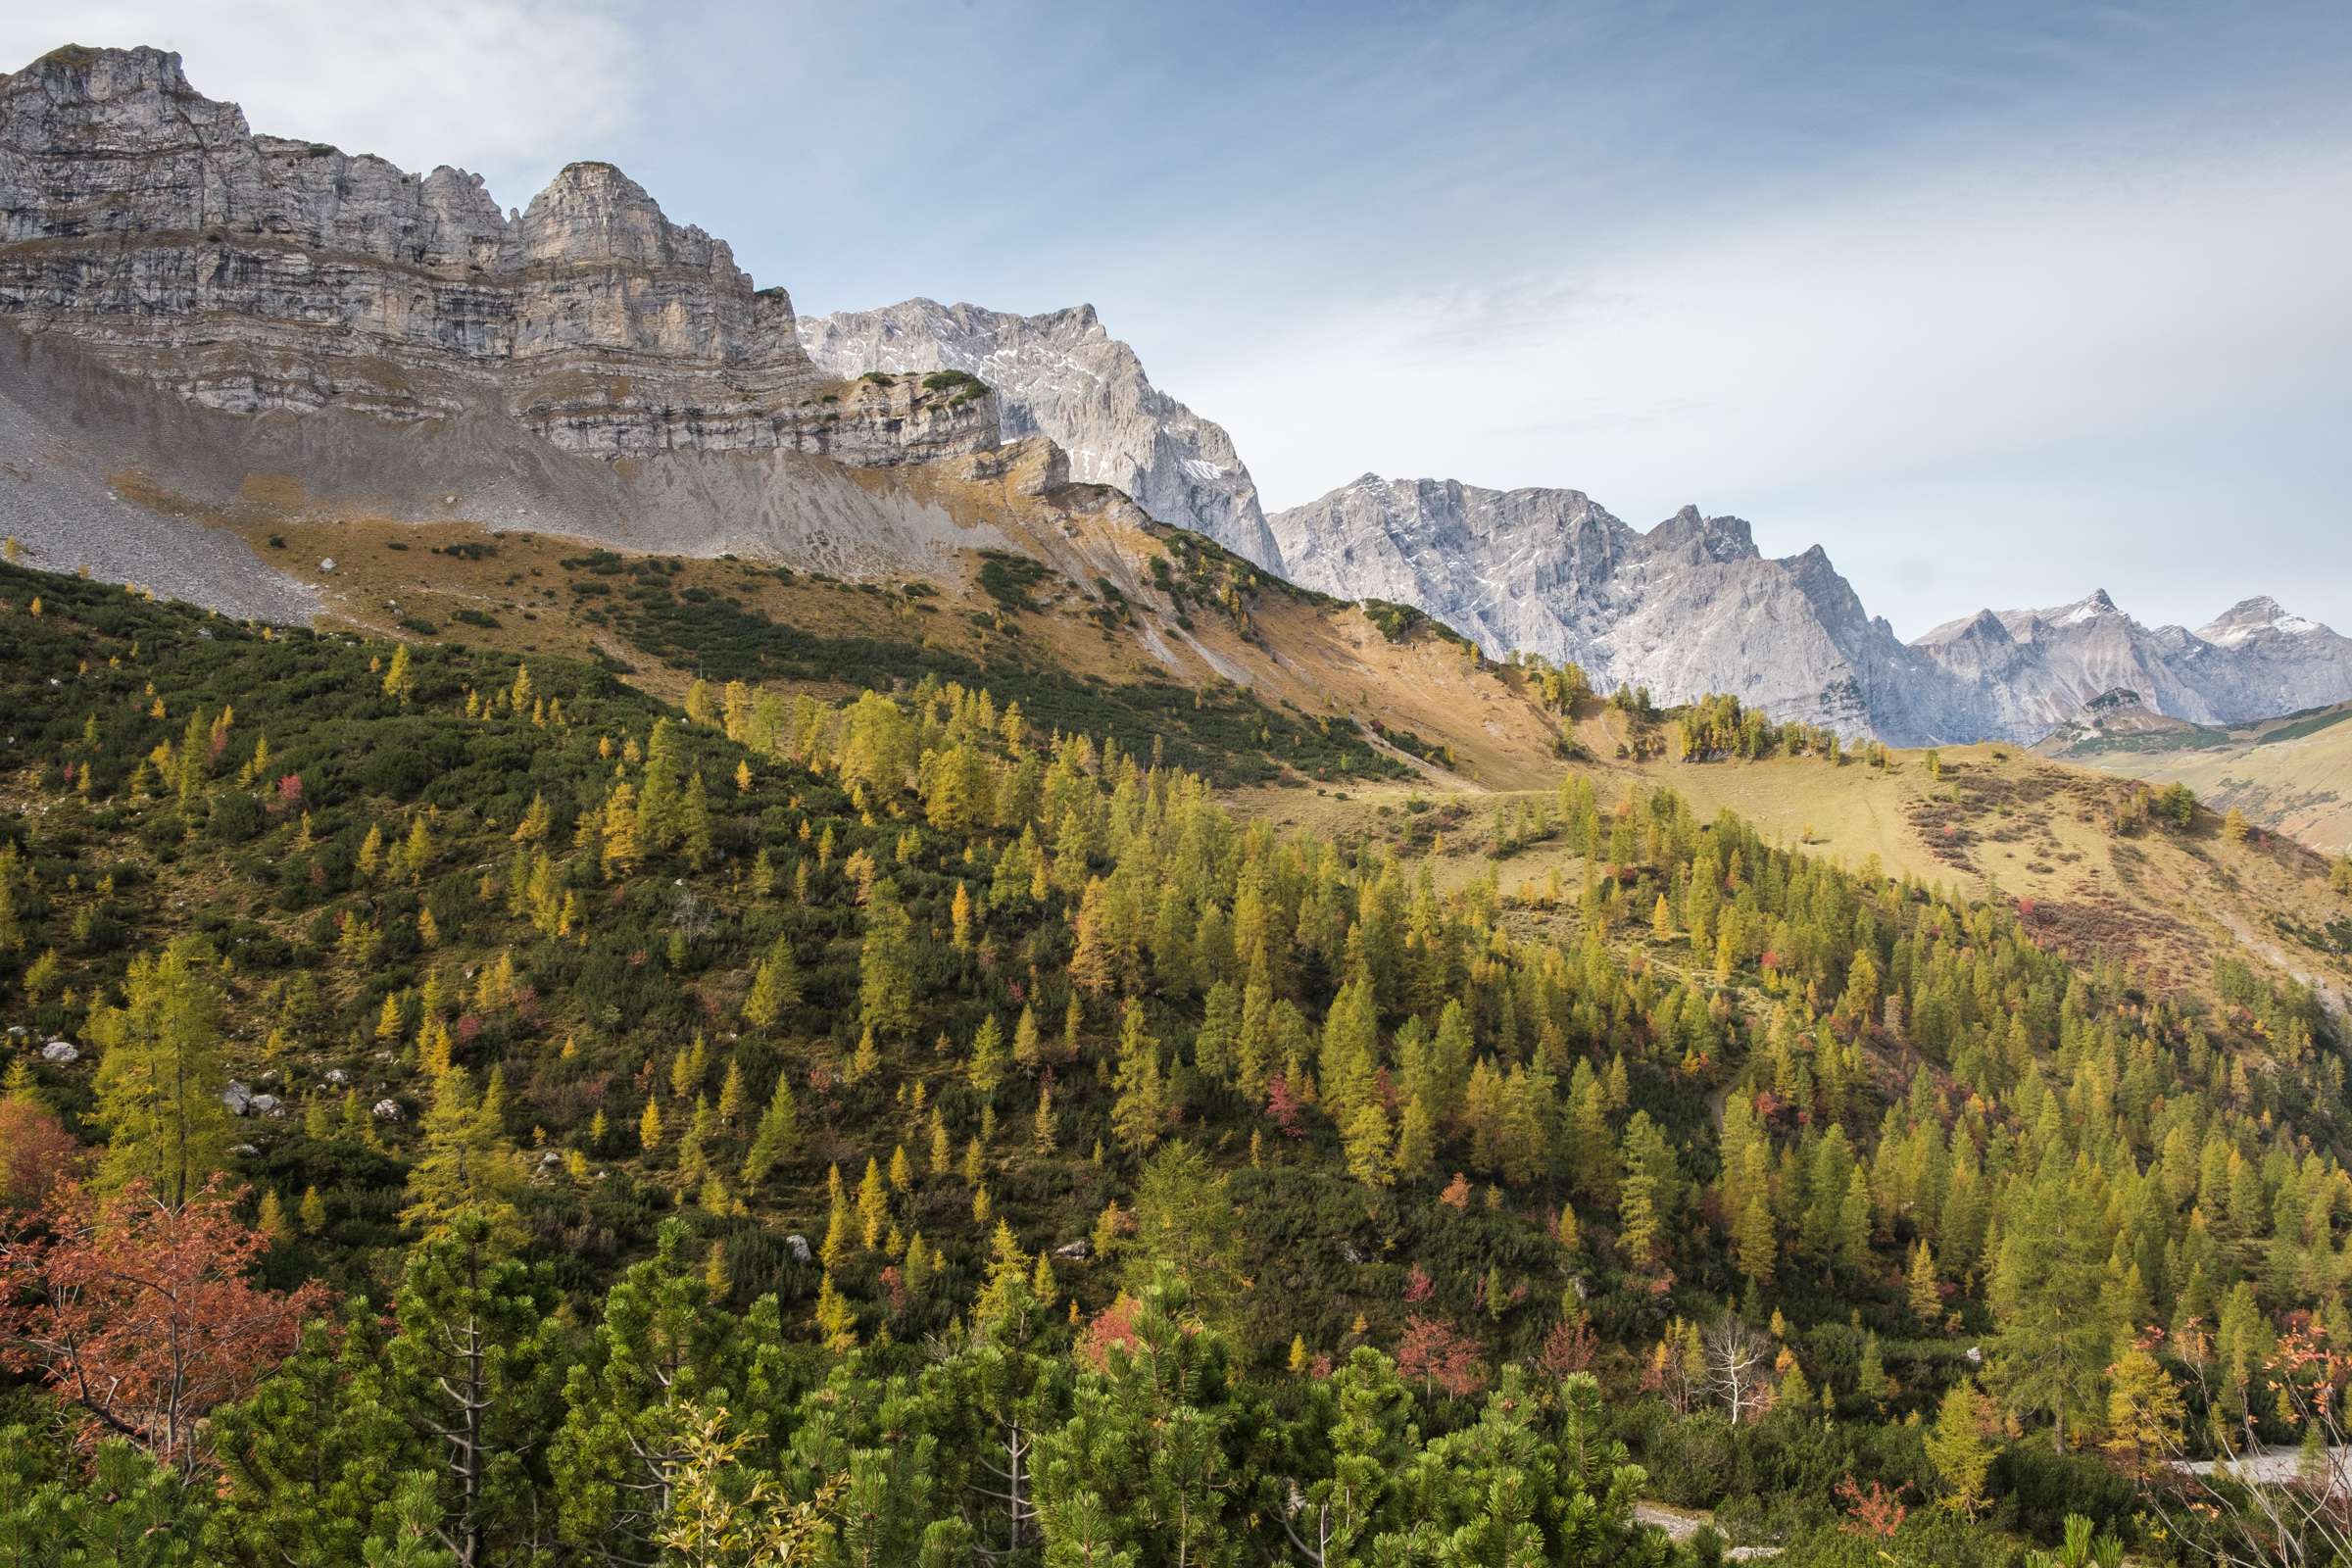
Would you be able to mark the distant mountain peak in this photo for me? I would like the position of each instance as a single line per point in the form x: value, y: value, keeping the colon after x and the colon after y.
x: 2095, y: 602
x: 1686, y: 609
x: 1985, y: 624
x: 2254, y: 661
x: 2251, y: 618
x: 1725, y: 538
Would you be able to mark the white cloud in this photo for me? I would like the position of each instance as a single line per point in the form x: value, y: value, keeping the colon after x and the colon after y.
x: 510, y: 89
x: 1877, y: 336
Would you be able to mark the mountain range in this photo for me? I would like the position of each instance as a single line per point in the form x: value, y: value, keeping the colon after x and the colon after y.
x: 1688, y: 608
x: 214, y: 311
x: 2037, y: 668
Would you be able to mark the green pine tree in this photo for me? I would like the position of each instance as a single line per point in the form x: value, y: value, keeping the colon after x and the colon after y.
x: 161, y: 1075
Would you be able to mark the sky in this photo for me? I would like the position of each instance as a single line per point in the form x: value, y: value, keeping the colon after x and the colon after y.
x: 2000, y: 302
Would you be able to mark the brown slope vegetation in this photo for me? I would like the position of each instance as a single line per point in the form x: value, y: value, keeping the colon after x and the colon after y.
x: 1992, y: 821
x: 2292, y: 775
x: 1111, y: 598
x: 239, y: 511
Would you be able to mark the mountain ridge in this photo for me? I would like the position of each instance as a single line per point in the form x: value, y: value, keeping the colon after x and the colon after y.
x: 2038, y: 668
x: 1547, y: 570
x: 1681, y: 608
x: 368, y: 339
x: 257, y: 275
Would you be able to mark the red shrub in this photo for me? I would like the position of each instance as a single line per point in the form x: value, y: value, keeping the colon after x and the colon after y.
x: 1440, y: 1357
x: 141, y: 1314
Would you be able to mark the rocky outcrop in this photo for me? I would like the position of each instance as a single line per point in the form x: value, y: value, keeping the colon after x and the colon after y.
x: 1062, y: 376
x: 254, y: 274
x: 2120, y: 718
x: 1686, y: 609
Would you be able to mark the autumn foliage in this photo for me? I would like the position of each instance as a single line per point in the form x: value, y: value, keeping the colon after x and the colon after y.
x: 1872, y: 1510
x: 1111, y: 1328
x: 1285, y: 1107
x: 1568, y: 1348
x: 1440, y: 1355
x: 142, y: 1316
x: 36, y: 1153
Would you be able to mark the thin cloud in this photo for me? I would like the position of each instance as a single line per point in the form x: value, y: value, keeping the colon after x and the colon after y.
x: 1878, y: 338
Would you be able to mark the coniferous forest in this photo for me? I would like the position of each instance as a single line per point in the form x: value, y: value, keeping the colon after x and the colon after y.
x: 460, y: 1110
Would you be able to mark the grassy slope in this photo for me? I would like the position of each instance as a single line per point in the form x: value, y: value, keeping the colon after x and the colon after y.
x: 2292, y: 775
x: 2168, y: 903
x: 1309, y: 662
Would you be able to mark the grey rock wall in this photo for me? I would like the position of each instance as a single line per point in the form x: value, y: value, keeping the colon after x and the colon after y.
x: 1063, y: 376
x: 256, y: 275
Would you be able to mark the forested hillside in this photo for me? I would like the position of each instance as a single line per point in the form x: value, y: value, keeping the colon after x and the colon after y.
x: 462, y: 1109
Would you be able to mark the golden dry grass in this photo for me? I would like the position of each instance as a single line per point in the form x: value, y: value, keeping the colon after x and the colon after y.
x: 2301, y: 786
x: 1997, y: 823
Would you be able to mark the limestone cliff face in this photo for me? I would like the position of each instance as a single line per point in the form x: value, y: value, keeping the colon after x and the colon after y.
x: 1686, y: 609
x: 1691, y: 606
x: 1062, y: 376
x: 254, y: 274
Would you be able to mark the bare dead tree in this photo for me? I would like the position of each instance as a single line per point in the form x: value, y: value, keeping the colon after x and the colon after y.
x: 1011, y: 1490
x: 1738, y: 1367
x: 692, y: 916
x: 2255, y: 1506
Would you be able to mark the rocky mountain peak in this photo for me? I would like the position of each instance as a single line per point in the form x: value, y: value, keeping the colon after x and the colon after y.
x: 2261, y: 606
x: 2091, y: 606
x: 1987, y: 626
x: 77, y: 72
x: 1686, y: 609
x: 1062, y: 376
x: 1713, y: 538
x: 2249, y: 618
x: 593, y: 211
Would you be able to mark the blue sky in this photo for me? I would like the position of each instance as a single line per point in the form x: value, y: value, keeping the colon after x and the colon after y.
x: 2000, y: 302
